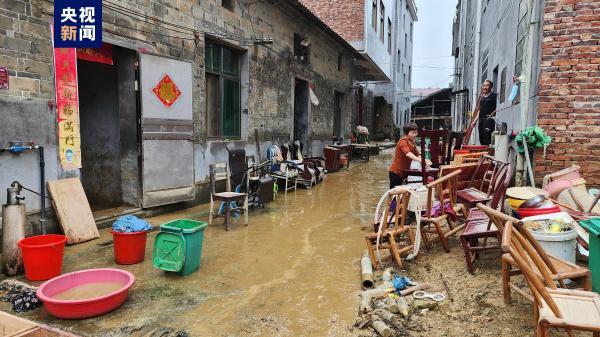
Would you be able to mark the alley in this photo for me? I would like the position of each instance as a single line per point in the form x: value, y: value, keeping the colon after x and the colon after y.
x: 294, y: 271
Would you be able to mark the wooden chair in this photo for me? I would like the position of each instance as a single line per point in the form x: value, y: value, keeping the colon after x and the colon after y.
x: 479, y: 226
x: 219, y: 172
x: 444, y: 190
x: 395, y: 236
x: 454, y: 143
x: 553, y: 308
x: 559, y: 268
x: 466, y: 158
x: 437, y: 149
x: 491, y: 171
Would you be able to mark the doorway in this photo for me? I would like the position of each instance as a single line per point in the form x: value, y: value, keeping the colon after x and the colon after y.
x: 108, y: 110
x: 301, y: 111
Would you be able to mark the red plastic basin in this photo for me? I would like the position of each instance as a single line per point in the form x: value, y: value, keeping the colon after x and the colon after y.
x: 43, y: 256
x: 130, y: 248
x: 91, y: 307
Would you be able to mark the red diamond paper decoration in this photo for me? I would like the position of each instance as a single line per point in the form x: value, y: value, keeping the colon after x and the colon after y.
x: 166, y: 91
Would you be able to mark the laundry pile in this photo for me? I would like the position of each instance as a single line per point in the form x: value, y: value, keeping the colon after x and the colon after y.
x: 130, y: 224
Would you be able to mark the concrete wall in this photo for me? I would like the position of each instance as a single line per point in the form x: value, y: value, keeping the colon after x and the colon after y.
x: 376, y: 48
x: 267, y: 74
x: 397, y: 92
x: 499, y: 21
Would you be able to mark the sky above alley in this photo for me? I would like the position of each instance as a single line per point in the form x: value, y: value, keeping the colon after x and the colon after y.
x: 432, y: 61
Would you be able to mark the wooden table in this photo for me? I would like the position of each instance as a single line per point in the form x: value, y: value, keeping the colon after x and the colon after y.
x: 361, y: 151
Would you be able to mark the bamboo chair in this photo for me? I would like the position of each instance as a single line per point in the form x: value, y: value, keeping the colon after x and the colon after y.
x: 559, y: 268
x: 444, y: 190
x: 219, y: 172
x: 553, y: 308
x: 479, y: 226
x: 396, y: 236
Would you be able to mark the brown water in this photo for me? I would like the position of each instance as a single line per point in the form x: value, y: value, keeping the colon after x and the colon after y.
x: 89, y: 290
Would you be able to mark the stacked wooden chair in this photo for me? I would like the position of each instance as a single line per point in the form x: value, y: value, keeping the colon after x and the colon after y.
x: 485, y: 178
x: 479, y: 228
x: 559, y: 269
x: 444, y: 191
x: 555, y: 308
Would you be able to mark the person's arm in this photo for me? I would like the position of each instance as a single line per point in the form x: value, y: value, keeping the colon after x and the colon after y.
x: 417, y: 158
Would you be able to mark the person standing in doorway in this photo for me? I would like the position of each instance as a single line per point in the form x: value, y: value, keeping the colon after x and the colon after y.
x: 486, y: 108
x: 406, y: 152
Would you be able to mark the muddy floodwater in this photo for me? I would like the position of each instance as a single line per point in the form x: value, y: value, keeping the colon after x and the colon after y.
x: 294, y: 271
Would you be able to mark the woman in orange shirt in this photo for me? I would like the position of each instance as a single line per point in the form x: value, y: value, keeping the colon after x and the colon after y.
x: 406, y: 152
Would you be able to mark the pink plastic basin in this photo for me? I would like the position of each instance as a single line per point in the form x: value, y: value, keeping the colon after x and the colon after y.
x: 91, y: 307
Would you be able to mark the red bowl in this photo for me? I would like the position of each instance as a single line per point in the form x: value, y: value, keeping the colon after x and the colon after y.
x: 90, y: 307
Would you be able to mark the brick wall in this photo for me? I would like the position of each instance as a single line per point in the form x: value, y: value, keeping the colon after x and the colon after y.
x: 569, y: 92
x: 346, y: 17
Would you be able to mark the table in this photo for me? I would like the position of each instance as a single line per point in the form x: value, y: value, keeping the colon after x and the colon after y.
x: 361, y: 151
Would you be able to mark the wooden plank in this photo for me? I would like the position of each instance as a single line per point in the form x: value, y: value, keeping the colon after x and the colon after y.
x: 73, y: 210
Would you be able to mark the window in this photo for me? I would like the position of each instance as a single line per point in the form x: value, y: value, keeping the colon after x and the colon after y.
x: 301, y: 49
x: 398, y: 61
x: 411, y: 31
x: 223, y: 117
x: 340, y: 61
x: 404, y: 81
x: 405, y: 42
x: 484, y: 65
x: 521, y: 33
x: 404, y: 22
x: 381, y: 20
x: 502, y: 92
x: 409, y: 74
x: 389, y: 36
x: 374, y: 15
x: 227, y: 4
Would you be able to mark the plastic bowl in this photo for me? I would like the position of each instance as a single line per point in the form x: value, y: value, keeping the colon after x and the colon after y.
x: 91, y: 307
x: 557, y: 186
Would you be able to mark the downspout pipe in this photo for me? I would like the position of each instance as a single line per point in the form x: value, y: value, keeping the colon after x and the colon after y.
x: 42, y: 189
x: 476, y: 74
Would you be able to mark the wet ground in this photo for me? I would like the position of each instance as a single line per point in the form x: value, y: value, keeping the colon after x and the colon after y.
x: 294, y: 271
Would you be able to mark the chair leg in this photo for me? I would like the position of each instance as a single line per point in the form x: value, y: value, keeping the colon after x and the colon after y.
x: 370, y: 249
x: 394, y: 251
x: 210, y: 213
x: 246, y: 211
x: 443, y: 239
x: 586, y: 283
x: 426, y: 241
x: 467, y: 251
x: 227, y: 215
x: 506, y: 281
x: 596, y: 333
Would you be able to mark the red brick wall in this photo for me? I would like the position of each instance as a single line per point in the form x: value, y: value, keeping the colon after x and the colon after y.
x: 569, y: 94
x: 345, y: 17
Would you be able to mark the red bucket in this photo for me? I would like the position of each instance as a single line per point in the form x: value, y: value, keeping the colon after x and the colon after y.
x: 130, y: 248
x: 43, y: 256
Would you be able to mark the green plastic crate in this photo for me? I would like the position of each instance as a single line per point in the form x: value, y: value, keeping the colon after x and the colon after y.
x: 178, y: 246
x: 593, y: 227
